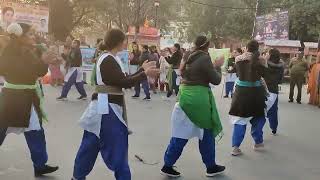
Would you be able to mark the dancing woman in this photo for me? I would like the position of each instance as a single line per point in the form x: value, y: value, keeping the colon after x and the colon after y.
x: 21, y: 108
x: 195, y: 114
x: 104, y: 121
x: 248, y: 102
x: 273, y: 76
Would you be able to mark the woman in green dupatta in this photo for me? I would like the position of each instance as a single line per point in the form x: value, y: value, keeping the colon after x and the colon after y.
x: 21, y: 99
x: 195, y: 114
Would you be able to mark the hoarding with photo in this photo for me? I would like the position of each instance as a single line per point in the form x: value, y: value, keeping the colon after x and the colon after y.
x: 272, y: 26
x: 35, y: 15
x: 87, y: 56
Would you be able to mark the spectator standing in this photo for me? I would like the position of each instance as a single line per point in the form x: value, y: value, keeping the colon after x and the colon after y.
x: 298, y: 68
x: 145, y: 56
x: 174, y: 72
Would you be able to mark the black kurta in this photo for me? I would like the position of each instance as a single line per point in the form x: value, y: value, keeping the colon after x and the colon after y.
x: 19, y: 66
x: 248, y: 101
x: 199, y: 70
x: 112, y: 75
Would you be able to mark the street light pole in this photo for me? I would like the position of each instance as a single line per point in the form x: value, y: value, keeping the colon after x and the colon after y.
x: 255, y: 19
x: 157, y: 5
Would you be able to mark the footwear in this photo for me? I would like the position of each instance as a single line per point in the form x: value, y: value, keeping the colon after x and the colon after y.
x: 82, y: 98
x: 274, y: 133
x: 135, y: 97
x: 290, y: 101
x: 216, y: 170
x: 258, y: 147
x: 170, y: 172
x: 226, y: 96
x: 236, y: 151
x: 147, y: 99
x: 75, y: 178
x: 299, y: 102
x: 46, y: 170
x: 62, y: 99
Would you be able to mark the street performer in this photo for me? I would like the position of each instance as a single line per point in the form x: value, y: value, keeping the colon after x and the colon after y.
x: 105, y: 121
x: 21, y: 103
x: 248, y: 102
x: 195, y: 115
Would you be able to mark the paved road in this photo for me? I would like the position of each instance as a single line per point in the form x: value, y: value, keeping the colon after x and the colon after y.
x: 293, y: 155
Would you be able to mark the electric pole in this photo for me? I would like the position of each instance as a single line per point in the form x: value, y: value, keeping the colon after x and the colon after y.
x: 255, y: 17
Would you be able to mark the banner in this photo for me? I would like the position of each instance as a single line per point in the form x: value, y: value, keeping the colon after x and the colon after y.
x: 37, y: 16
x: 124, y: 57
x: 87, y: 56
x: 217, y: 53
x: 272, y: 26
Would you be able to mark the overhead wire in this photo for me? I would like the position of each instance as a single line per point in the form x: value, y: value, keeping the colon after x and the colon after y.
x: 230, y: 7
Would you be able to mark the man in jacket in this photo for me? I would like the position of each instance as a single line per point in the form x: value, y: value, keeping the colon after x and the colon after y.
x: 298, y: 68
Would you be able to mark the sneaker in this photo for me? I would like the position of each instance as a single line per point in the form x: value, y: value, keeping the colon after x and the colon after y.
x: 216, y: 170
x: 170, y: 172
x: 135, y: 97
x: 236, y: 151
x: 46, y: 170
x: 147, y: 99
x: 82, y: 98
x: 258, y: 147
x: 274, y: 133
x: 62, y: 99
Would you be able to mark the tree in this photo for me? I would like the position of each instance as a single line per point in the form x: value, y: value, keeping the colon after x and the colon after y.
x: 223, y: 23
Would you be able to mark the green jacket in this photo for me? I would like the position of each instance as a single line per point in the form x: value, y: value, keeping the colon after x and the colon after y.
x: 298, y: 67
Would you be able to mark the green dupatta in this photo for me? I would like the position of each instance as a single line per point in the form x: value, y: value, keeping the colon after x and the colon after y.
x: 199, y: 105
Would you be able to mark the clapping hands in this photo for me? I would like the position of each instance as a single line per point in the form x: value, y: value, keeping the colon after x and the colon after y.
x: 150, y: 68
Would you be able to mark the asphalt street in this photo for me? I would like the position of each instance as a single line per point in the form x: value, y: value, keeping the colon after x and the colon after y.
x: 292, y: 155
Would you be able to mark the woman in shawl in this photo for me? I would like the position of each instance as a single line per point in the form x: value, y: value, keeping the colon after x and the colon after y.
x: 313, y: 86
x: 21, y: 108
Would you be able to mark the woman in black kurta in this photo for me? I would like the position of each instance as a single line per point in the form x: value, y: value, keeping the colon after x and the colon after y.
x: 104, y: 121
x: 20, y: 102
x: 248, y: 101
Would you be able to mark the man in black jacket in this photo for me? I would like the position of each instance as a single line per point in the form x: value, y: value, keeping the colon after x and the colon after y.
x: 145, y: 56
